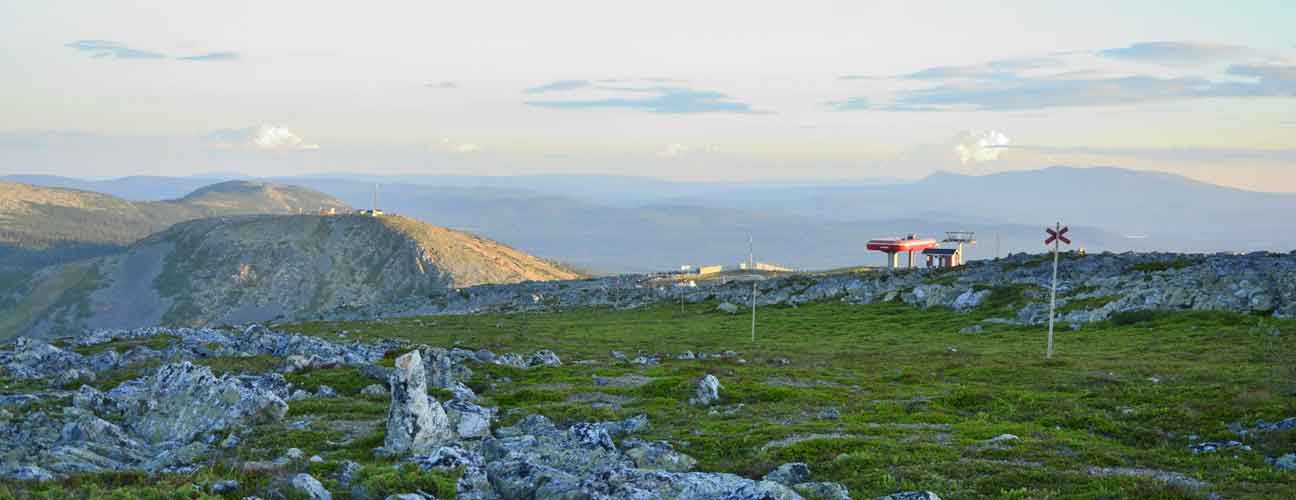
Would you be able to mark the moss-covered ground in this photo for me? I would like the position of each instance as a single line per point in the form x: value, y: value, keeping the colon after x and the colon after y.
x: 1110, y: 416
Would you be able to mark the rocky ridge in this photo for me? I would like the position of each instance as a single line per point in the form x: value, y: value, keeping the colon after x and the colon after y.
x: 1091, y: 288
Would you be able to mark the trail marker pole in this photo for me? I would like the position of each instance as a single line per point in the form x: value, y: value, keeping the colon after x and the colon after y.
x: 751, y: 266
x: 1056, y: 237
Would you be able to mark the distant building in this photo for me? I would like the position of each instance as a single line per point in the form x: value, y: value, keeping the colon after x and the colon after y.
x: 710, y: 269
x: 328, y: 211
x: 761, y: 266
x: 371, y: 212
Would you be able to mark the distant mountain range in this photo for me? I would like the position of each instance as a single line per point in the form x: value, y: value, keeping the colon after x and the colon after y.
x: 257, y: 268
x: 47, y: 225
x: 616, y: 224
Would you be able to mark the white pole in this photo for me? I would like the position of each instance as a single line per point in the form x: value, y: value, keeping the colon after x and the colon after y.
x: 751, y: 266
x: 1053, y: 292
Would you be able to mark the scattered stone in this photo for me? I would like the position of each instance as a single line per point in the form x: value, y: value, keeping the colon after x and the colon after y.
x: 708, y: 391
x: 830, y: 413
x: 310, y: 487
x: 658, y: 455
x: 789, y: 474
x: 348, y: 473
x: 225, y: 486
x: 1214, y: 446
x: 972, y: 329
x: 822, y: 491
x: 909, y: 495
x: 325, y: 391
x: 27, y: 473
x: 294, y: 454
x: 687, y: 356
x: 727, y: 307
x: 415, y: 423
x: 316, y: 459
x: 1285, y: 462
x: 1002, y: 438
x: 511, y: 359
x: 374, y: 391
x: 544, y: 358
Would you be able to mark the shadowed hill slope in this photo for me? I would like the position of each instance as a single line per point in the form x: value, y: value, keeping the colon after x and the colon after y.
x: 262, y: 267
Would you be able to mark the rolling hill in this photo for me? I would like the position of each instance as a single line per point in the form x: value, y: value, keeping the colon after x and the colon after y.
x: 261, y: 267
x: 42, y: 225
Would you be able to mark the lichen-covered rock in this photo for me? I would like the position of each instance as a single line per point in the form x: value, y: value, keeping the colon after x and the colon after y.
x: 659, y: 455
x: 182, y: 401
x: 544, y: 358
x: 311, y: 488
x: 469, y: 420
x: 909, y: 495
x: 708, y: 391
x: 374, y: 391
x: 415, y: 422
x: 822, y: 491
x: 789, y: 474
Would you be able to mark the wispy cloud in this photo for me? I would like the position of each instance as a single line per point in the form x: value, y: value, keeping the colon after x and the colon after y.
x: 559, y: 86
x: 663, y: 99
x: 107, y: 49
x: 261, y: 138
x: 1089, y: 79
x: 852, y: 104
x: 1180, y: 53
x: 442, y: 85
x: 211, y: 57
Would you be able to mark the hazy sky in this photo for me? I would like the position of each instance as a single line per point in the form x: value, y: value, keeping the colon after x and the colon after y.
x: 687, y: 90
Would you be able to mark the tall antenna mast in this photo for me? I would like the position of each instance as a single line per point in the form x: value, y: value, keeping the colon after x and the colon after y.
x: 375, y: 200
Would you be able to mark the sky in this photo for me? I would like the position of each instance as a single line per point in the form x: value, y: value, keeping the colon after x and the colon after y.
x: 704, y: 91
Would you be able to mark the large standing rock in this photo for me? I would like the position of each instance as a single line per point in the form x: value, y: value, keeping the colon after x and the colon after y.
x: 415, y: 423
x: 708, y: 391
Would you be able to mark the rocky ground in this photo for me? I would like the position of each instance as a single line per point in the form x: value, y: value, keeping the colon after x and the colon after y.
x: 1178, y: 382
x: 1091, y: 288
x: 177, y: 417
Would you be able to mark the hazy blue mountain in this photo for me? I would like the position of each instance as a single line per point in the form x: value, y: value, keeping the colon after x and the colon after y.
x: 608, y: 223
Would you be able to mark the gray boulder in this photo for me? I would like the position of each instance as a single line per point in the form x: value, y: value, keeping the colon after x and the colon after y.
x: 469, y: 420
x: 789, y: 474
x: 708, y: 391
x: 823, y: 491
x: 182, y: 401
x: 310, y: 487
x: 544, y: 358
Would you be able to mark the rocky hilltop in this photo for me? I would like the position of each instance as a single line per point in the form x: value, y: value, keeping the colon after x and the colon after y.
x: 41, y: 225
x: 254, y: 268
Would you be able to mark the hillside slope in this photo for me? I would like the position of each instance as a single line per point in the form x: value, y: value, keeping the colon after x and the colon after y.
x: 41, y: 226
x: 261, y: 267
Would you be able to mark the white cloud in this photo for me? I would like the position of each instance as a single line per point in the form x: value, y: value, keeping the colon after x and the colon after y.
x: 262, y: 138
x: 979, y: 146
x: 675, y: 150
x: 451, y: 146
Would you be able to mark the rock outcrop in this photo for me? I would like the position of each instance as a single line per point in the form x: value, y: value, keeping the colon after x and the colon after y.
x: 415, y: 422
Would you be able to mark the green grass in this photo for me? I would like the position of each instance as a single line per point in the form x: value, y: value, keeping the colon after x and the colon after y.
x: 917, y: 399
